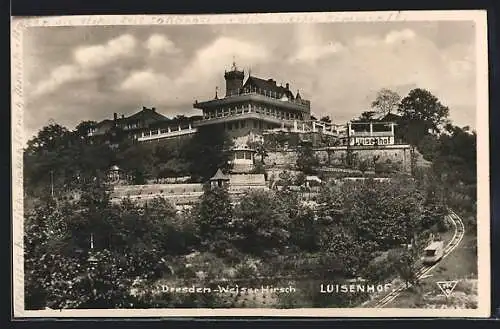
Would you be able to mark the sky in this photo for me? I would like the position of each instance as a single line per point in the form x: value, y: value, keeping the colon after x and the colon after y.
x: 72, y: 74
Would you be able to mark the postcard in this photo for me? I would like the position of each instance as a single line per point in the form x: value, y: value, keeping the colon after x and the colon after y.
x: 295, y: 165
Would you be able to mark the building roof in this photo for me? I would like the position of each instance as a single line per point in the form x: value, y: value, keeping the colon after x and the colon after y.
x: 219, y: 175
x: 269, y: 85
x: 144, y: 114
x: 243, y: 148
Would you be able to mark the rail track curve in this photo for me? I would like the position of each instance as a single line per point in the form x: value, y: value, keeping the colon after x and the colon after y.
x: 422, y: 271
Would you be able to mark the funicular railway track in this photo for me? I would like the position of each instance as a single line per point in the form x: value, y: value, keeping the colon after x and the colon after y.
x: 422, y: 271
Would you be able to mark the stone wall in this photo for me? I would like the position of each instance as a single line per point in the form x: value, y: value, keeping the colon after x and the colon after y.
x: 399, y: 155
x: 180, y: 194
x: 394, y: 154
x: 281, y: 158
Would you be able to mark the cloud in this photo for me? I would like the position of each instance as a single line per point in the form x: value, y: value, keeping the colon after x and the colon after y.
x: 100, y: 55
x: 150, y: 87
x: 159, y: 44
x: 210, y: 60
x: 199, y: 75
x: 59, y: 76
x: 313, y: 53
x: 339, y: 72
x: 366, y: 42
x: 345, y: 82
x: 87, y: 63
x: 399, y: 36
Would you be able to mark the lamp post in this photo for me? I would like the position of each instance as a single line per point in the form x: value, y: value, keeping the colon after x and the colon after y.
x: 348, y: 149
x: 92, y: 260
x: 52, y: 183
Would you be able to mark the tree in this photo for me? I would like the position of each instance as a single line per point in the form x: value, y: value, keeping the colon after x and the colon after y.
x: 304, y: 230
x: 422, y: 114
x: 367, y: 116
x: 326, y: 119
x: 306, y: 159
x: 129, y: 242
x: 137, y: 161
x: 214, y: 216
x: 378, y: 269
x: 363, y: 166
x: 62, y: 159
x: 384, y: 214
x: 455, y: 167
x: 83, y: 128
x: 404, y: 262
x: 429, y: 147
x: 260, y: 224
x: 50, y: 138
x: 386, y: 101
x: 207, y: 151
x: 259, y: 148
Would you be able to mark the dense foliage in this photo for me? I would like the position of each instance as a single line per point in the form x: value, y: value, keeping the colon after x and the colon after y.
x: 82, y: 251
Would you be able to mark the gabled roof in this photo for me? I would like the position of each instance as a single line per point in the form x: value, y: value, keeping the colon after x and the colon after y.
x: 145, y: 113
x: 219, y: 176
x: 269, y: 85
x: 103, y: 122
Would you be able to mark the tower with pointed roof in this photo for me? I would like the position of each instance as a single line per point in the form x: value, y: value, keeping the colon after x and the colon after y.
x: 251, y: 107
x: 234, y: 80
x: 219, y: 179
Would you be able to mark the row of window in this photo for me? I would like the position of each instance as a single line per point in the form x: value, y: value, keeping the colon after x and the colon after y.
x: 240, y: 155
x: 240, y: 109
x: 243, y: 123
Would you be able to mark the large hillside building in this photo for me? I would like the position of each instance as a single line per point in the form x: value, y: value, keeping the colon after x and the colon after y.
x: 250, y: 109
x: 252, y: 106
x: 145, y: 125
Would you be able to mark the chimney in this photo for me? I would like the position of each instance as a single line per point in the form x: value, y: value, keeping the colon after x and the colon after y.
x: 144, y: 108
x: 154, y: 109
x: 287, y: 86
x: 123, y: 116
x: 115, y: 116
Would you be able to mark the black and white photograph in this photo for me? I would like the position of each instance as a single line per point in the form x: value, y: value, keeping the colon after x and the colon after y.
x: 305, y: 164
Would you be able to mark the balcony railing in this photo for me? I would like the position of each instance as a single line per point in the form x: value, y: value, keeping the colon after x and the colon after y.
x: 272, y: 95
x: 245, y: 114
x: 302, y: 105
x: 162, y: 133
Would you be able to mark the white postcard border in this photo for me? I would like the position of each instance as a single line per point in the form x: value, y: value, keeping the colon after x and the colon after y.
x: 483, y: 224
